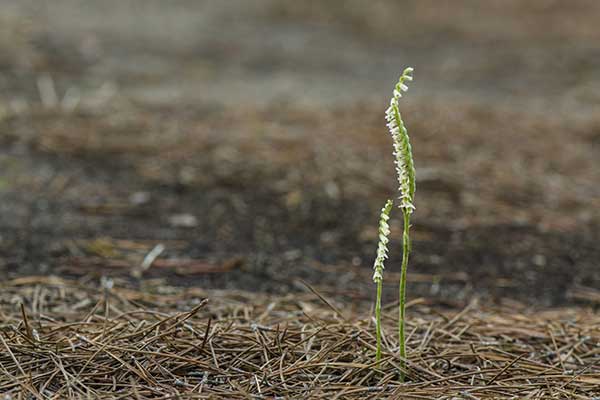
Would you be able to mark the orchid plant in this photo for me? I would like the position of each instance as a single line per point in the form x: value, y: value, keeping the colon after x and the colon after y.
x: 405, y: 171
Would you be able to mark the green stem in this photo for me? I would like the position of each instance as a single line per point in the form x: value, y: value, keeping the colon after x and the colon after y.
x: 378, y: 321
x: 402, y: 318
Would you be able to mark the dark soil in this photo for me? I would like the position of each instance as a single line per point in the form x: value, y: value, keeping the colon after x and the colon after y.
x: 249, y: 140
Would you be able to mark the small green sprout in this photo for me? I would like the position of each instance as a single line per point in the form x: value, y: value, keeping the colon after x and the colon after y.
x: 382, y: 250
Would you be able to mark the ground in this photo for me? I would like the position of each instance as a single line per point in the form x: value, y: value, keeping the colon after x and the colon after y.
x: 248, y: 139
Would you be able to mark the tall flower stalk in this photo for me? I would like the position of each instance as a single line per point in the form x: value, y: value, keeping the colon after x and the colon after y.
x: 382, y: 250
x: 405, y: 171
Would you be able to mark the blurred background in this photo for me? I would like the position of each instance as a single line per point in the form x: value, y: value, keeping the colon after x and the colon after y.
x: 248, y: 139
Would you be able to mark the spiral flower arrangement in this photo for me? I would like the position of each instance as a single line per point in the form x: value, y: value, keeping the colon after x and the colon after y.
x: 382, y: 250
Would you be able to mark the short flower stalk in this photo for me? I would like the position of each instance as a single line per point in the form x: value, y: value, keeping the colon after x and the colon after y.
x: 382, y: 250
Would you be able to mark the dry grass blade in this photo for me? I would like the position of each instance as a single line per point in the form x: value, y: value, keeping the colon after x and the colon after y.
x: 243, y: 345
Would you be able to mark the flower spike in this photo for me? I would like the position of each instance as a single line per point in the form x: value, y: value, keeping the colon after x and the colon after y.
x: 382, y: 250
x: 405, y: 169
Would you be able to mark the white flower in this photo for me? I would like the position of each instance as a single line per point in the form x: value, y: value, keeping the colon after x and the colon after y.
x: 384, y: 232
x: 402, y: 150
